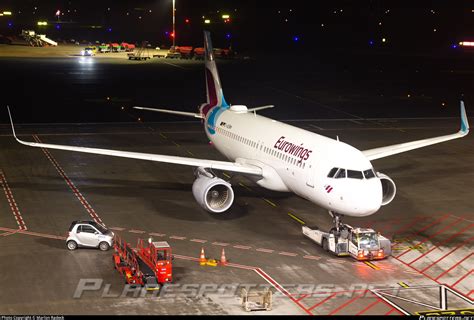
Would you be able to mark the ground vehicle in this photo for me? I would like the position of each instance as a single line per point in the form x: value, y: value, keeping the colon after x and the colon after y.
x: 89, y: 234
x: 360, y: 243
x: 149, y: 265
x: 89, y: 51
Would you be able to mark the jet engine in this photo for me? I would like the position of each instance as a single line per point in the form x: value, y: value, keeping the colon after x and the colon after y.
x: 212, y: 193
x: 389, y: 189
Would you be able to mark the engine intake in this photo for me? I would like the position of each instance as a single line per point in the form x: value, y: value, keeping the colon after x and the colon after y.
x: 389, y: 189
x: 213, y: 194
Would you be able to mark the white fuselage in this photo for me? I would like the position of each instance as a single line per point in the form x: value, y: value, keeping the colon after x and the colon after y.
x: 296, y: 160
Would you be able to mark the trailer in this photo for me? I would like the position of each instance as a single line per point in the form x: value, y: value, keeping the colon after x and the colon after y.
x: 149, y: 265
x: 359, y: 243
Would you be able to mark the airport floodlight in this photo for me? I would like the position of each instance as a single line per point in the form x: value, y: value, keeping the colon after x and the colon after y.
x: 7, y: 13
x: 207, y: 21
x: 42, y: 23
x: 225, y: 16
x: 1, y: 14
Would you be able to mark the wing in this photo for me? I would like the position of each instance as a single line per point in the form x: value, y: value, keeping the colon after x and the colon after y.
x: 179, y: 113
x: 193, y: 162
x: 383, y: 152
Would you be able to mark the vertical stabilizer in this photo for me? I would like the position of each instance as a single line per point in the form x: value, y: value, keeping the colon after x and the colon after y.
x: 215, y: 95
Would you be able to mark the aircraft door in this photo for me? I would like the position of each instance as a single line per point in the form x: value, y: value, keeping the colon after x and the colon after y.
x: 310, y: 169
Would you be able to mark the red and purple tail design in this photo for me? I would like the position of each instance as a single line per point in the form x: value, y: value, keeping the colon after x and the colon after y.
x: 215, y: 95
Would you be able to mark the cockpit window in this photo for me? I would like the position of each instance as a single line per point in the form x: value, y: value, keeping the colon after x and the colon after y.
x: 354, y: 174
x: 369, y: 174
x: 332, y: 172
x: 341, y: 174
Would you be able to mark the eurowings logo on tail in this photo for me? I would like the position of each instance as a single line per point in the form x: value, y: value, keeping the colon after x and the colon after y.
x: 216, y: 103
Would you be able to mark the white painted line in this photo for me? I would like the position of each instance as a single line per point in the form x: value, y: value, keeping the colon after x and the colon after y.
x: 336, y: 260
x: 157, y: 234
x: 117, y: 228
x: 314, y: 126
x: 265, y: 250
x: 136, y: 231
x: 312, y: 257
x: 222, y: 244
x: 242, y: 247
x: 198, y: 240
x: 177, y: 237
x: 284, y: 253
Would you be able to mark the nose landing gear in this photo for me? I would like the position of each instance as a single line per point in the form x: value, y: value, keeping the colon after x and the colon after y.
x: 340, y: 229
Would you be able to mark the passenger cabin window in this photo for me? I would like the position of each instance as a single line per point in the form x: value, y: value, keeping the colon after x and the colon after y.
x: 354, y: 174
x: 341, y: 174
x: 332, y: 172
x: 369, y: 174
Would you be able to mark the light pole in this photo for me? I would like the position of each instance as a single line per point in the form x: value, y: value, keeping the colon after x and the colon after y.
x: 174, y: 24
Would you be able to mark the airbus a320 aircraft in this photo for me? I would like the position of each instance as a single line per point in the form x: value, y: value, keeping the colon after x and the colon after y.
x: 278, y: 156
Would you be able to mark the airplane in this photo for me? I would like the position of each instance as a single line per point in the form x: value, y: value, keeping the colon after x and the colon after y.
x: 329, y: 173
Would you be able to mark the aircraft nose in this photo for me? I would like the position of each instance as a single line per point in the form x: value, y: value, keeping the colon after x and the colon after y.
x: 370, y: 200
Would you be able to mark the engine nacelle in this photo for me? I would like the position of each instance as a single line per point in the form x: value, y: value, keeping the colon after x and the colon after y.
x: 213, y: 194
x: 389, y: 189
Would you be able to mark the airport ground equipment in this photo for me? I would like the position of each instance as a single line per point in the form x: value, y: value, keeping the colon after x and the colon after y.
x: 37, y: 40
x: 260, y: 300
x: 148, y: 265
x: 359, y: 243
x: 104, y: 48
x: 141, y: 53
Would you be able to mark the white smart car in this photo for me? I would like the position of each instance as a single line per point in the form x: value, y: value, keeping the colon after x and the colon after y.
x: 89, y: 234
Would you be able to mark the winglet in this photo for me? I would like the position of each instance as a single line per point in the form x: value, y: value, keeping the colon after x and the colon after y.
x: 464, y: 123
x: 11, y: 122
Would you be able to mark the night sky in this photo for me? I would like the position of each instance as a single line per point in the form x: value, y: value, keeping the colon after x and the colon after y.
x: 312, y: 25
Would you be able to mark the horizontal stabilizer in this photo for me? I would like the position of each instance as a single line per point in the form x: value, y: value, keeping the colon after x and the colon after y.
x: 179, y: 113
x: 261, y: 108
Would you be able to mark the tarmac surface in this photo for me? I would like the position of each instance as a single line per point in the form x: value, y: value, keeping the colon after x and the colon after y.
x: 431, y: 220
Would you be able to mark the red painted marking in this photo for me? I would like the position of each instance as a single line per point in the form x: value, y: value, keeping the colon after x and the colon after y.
x: 390, y: 311
x: 36, y: 234
x: 368, y: 307
x: 12, y: 202
x: 302, y: 296
x: 265, y: 250
x: 409, y: 225
x: 462, y: 278
x: 344, y: 305
x: 470, y: 293
x: 177, y: 237
x: 454, y: 266
x: 71, y: 185
x: 447, y: 254
x: 443, y: 242
x: 430, y: 237
x: 322, y: 301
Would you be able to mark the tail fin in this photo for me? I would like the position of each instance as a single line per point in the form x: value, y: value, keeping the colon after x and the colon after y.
x: 215, y: 95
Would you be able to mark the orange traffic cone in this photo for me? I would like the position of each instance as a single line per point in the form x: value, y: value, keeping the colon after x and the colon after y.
x: 223, y: 259
x: 202, y: 258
